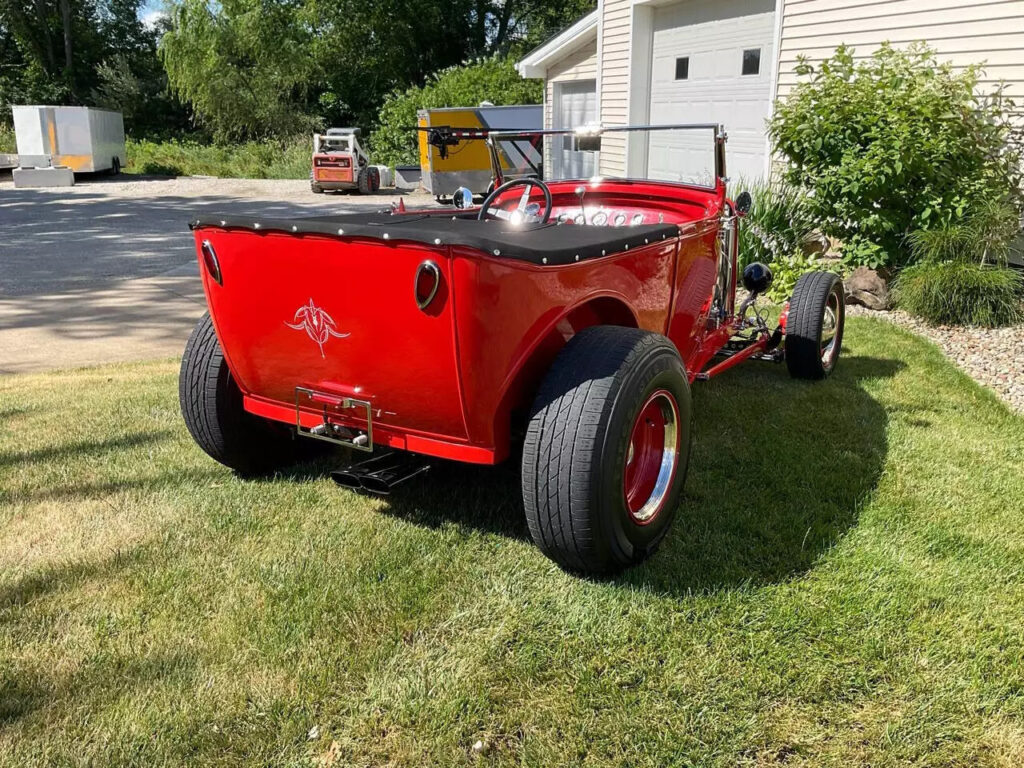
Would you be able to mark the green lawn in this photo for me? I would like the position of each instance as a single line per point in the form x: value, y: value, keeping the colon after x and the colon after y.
x: 844, y: 586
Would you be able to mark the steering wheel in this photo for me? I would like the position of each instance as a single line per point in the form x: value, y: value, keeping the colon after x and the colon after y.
x: 526, y: 182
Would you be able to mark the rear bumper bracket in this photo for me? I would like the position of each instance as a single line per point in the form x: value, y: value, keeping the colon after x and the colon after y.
x: 337, y: 415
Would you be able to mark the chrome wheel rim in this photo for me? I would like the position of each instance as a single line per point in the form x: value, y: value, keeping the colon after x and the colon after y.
x: 830, y: 326
x: 651, y: 457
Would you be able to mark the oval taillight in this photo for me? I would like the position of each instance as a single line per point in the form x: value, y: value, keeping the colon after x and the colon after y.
x: 211, y: 262
x: 428, y: 280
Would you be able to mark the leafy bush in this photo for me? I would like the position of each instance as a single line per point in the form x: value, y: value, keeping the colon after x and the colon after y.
x: 778, y: 224
x: 494, y: 80
x: 896, y: 144
x: 7, y: 143
x: 786, y: 270
x: 246, y: 160
x: 961, y: 293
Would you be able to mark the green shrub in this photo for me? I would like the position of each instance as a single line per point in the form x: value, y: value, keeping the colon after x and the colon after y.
x: 7, y: 142
x: 495, y: 80
x: 778, y: 224
x: 243, y: 160
x: 895, y: 144
x: 961, y: 293
x: 786, y: 270
x: 984, y: 236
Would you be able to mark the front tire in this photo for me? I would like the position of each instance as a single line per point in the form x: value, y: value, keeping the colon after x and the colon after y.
x: 211, y: 404
x: 814, y: 328
x: 607, y: 449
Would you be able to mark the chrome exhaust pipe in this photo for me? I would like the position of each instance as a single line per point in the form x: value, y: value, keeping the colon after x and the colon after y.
x: 381, y: 474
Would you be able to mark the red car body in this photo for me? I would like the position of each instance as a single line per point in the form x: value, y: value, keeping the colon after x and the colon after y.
x: 447, y: 381
x: 571, y: 321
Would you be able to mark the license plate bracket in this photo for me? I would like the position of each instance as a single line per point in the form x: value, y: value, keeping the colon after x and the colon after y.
x: 337, y: 414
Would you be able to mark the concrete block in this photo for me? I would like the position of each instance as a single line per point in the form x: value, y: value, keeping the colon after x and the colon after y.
x: 43, y: 177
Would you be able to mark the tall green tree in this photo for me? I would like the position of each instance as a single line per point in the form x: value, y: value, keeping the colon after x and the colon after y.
x: 91, y: 52
x: 252, y: 68
x: 245, y: 66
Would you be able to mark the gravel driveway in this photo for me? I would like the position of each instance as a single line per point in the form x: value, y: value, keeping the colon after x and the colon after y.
x: 105, y: 271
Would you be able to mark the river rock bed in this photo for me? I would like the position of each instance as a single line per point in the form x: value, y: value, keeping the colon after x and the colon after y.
x: 994, y: 357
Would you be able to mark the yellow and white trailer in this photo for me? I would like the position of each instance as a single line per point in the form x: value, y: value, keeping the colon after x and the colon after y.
x: 468, y: 164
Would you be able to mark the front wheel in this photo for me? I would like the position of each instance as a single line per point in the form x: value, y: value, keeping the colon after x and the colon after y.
x: 607, y: 449
x: 814, y: 328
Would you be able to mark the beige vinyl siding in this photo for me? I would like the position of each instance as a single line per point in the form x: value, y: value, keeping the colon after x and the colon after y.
x: 578, y: 65
x: 616, y: 21
x: 962, y: 31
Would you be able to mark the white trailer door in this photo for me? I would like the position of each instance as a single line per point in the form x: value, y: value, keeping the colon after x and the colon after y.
x: 575, y: 105
x: 711, y: 62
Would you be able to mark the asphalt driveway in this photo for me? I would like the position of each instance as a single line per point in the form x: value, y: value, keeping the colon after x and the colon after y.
x: 105, y: 271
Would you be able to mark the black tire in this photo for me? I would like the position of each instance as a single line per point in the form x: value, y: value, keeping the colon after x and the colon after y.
x: 115, y: 166
x: 316, y: 188
x: 211, y: 404
x: 363, y: 181
x: 814, y: 328
x: 579, y: 440
x: 373, y: 180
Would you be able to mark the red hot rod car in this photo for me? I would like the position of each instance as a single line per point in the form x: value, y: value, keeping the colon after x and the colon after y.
x: 569, y: 317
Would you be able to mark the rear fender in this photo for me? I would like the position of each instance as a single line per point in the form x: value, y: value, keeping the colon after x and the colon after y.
x: 522, y: 386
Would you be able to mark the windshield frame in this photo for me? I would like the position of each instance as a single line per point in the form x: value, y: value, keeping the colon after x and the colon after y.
x: 494, y: 137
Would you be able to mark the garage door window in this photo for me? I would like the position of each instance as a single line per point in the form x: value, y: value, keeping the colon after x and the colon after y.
x: 683, y: 68
x: 752, y: 61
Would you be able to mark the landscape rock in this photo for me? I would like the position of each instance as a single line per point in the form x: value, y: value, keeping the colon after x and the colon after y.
x: 868, y: 288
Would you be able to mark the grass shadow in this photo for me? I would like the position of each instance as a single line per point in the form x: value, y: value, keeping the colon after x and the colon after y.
x: 779, y: 471
x: 81, y: 448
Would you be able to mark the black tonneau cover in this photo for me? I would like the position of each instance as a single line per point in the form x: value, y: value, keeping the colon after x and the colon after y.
x: 538, y: 244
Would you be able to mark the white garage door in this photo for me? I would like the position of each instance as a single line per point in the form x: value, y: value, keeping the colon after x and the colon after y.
x: 711, y: 62
x: 575, y: 105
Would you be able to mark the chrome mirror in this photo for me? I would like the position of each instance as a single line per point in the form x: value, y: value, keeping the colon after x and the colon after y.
x: 744, y: 203
x: 463, y: 198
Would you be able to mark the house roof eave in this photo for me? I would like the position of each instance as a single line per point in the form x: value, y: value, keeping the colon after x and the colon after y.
x: 536, y: 63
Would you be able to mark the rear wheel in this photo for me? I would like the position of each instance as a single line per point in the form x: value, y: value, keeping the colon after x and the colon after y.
x: 814, y: 328
x: 607, y: 449
x: 211, y: 404
x: 316, y: 188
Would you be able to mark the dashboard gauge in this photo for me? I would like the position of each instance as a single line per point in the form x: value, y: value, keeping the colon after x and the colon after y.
x: 638, y: 218
x: 619, y: 220
x: 600, y: 219
x: 580, y: 219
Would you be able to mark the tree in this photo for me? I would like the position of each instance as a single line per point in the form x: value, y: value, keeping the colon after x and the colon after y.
x: 254, y: 68
x: 92, y: 52
x: 494, y: 79
x: 245, y: 66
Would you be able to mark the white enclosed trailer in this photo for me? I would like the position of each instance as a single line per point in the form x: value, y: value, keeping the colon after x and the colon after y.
x: 82, y: 139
